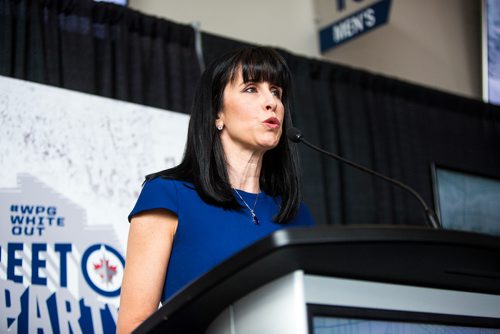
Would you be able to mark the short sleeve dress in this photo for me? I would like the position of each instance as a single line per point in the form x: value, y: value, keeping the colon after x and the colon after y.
x: 206, y: 235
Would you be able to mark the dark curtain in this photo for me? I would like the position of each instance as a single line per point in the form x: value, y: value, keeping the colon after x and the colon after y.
x: 393, y: 127
x: 100, y: 49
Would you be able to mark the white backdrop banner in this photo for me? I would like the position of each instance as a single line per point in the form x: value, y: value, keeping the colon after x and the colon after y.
x: 71, y: 168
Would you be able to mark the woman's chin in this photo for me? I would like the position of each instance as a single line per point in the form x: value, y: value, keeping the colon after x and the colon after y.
x: 268, y: 144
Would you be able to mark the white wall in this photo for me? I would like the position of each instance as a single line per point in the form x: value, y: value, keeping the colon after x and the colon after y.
x: 436, y: 43
x: 288, y: 24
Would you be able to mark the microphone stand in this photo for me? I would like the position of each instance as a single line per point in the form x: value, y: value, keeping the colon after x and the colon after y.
x: 295, y: 136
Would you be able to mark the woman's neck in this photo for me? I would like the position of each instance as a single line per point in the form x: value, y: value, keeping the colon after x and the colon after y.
x: 243, y: 169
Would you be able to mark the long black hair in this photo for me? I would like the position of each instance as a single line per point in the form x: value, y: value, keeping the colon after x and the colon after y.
x: 204, y: 162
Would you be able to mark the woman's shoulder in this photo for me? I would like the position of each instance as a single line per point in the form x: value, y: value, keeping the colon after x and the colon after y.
x: 162, y: 193
x: 303, y: 216
x: 161, y: 184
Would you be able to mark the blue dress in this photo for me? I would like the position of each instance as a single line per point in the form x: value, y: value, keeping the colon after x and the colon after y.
x: 206, y: 235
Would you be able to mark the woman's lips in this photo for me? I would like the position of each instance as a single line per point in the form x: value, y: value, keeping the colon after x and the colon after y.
x: 272, y: 122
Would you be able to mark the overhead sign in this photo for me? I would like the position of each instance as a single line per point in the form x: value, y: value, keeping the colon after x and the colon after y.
x: 354, y: 24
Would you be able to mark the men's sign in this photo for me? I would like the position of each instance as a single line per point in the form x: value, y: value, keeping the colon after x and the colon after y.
x: 354, y: 24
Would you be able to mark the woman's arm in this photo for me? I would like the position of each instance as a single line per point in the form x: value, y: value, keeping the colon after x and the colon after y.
x: 149, y: 245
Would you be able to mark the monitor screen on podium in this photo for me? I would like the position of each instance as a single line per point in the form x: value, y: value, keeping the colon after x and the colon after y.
x: 349, y: 320
x: 467, y: 201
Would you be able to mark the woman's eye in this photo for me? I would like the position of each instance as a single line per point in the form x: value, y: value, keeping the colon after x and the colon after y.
x: 250, y: 89
x: 276, y: 92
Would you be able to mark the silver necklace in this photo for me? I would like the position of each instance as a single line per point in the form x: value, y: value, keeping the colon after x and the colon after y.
x: 255, y: 220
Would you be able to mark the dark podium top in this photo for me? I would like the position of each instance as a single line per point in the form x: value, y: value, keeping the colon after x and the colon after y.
x: 400, y: 255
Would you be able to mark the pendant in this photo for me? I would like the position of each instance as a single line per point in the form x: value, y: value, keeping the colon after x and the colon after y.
x: 255, y: 220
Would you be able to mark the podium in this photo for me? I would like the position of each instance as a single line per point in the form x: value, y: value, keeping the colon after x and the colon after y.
x: 309, y: 280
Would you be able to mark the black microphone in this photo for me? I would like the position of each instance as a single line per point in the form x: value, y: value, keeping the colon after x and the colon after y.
x: 296, y: 136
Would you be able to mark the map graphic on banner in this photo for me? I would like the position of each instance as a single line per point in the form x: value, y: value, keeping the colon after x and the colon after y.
x: 44, y: 255
x: 71, y: 168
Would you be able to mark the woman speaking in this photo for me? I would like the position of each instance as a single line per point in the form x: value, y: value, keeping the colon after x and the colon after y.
x: 237, y: 183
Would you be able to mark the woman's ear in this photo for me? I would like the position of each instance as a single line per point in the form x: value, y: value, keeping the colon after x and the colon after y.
x: 219, y: 122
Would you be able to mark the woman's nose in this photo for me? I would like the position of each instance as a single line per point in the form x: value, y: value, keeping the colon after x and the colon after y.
x: 270, y: 101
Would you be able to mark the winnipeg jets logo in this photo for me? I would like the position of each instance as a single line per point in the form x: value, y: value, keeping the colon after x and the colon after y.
x: 102, y: 267
x: 105, y: 270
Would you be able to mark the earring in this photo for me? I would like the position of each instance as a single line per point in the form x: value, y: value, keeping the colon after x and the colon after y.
x: 220, y: 127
